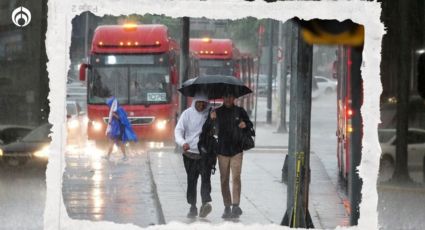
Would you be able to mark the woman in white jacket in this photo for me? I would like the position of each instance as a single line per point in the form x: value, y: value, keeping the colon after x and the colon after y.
x: 187, y: 132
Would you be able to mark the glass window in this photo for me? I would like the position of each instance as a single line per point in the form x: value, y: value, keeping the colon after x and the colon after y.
x: 106, y: 82
x: 216, y: 67
x: 385, y: 135
x: 40, y: 134
x: 149, y: 85
x: 421, y: 137
x: 71, y: 109
x: 415, y: 137
x: 130, y: 83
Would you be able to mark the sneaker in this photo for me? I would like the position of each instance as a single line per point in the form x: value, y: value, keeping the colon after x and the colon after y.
x: 124, y: 158
x: 193, y: 212
x: 236, y: 211
x: 205, y: 210
x: 227, y: 213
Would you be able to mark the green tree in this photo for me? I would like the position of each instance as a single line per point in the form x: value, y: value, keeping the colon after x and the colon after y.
x: 244, y: 32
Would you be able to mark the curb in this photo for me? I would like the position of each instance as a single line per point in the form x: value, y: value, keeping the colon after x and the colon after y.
x: 418, y: 189
x: 268, y: 149
x: 161, y: 217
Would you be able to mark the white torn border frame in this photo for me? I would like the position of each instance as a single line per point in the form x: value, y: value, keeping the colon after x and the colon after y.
x: 60, y: 14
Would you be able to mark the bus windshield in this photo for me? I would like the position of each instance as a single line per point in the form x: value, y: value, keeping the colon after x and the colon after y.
x: 216, y: 67
x: 131, y: 84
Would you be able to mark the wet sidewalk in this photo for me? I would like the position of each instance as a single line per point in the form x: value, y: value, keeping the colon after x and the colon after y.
x: 263, y: 198
x: 402, y: 199
x: 109, y: 190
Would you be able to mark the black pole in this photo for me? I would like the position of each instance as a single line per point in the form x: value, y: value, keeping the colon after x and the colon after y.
x: 289, y: 51
x: 401, y: 172
x: 289, y: 166
x: 283, y: 76
x: 297, y: 214
x: 259, y: 53
x: 270, y: 73
x: 356, y: 183
x: 184, y: 58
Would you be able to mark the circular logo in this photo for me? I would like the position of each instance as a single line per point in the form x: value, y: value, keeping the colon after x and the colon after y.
x: 21, y: 16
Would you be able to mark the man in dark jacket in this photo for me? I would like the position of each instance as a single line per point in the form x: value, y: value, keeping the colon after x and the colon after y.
x: 231, y: 120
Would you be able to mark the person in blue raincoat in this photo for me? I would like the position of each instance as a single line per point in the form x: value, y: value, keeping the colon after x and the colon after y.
x: 119, y: 129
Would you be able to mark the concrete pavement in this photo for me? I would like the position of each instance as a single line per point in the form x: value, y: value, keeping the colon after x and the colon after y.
x: 150, y: 188
x: 22, y: 195
x: 263, y: 198
x: 114, y: 190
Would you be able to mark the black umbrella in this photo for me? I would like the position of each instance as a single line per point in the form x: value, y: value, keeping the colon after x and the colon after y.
x: 215, y: 86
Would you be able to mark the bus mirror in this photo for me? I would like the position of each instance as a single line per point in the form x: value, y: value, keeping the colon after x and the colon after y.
x: 421, y: 75
x: 83, y: 68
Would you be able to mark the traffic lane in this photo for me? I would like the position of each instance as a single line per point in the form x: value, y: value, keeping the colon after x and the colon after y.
x: 401, y: 201
x: 114, y: 190
x: 23, y: 195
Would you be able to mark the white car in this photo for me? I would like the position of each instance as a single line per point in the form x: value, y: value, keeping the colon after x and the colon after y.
x: 415, y: 148
x: 263, y: 84
x: 316, y: 90
x: 76, y: 121
x: 327, y: 85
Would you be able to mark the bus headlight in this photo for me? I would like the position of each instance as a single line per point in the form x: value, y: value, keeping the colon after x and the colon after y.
x: 97, y: 126
x: 161, y: 124
x: 73, y: 124
x: 42, y: 153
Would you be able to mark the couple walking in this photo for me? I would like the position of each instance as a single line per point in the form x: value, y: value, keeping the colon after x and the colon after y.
x: 230, y: 120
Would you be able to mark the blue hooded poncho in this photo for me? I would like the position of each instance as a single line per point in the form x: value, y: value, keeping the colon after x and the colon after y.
x: 119, y: 129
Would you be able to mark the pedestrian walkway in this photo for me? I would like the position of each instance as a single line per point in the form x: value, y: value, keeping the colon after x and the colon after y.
x: 263, y: 198
x: 267, y: 137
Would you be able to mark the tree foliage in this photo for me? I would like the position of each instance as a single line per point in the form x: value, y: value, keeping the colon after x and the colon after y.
x: 244, y: 33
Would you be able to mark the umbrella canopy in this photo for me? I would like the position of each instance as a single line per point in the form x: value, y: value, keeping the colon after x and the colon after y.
x: 214, y: 86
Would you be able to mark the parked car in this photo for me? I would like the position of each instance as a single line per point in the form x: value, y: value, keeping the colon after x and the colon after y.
x: 316, y: 91
x: 327, y: 85
x: 415, y: 148
x: 76, y: 120
x: 77, y: 91
x: 34, y: 145
x: 12, y: 133
x: 263, y: 84
x: 416, y: 113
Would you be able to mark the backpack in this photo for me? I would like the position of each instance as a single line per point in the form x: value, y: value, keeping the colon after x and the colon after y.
x: 246, y: 135
x: 208, y: 145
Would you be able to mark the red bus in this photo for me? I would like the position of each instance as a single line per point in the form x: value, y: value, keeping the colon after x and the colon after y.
x: 350, y: 124
x: 137, y: 65
x: 221, y: 57
x: 349, y: 100
x: 342, y: 69
x: 216, y: 56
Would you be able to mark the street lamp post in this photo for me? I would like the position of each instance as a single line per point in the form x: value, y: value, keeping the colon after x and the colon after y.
x: 270, y: 73
x: 184, y: 59
x: 297, y: 214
